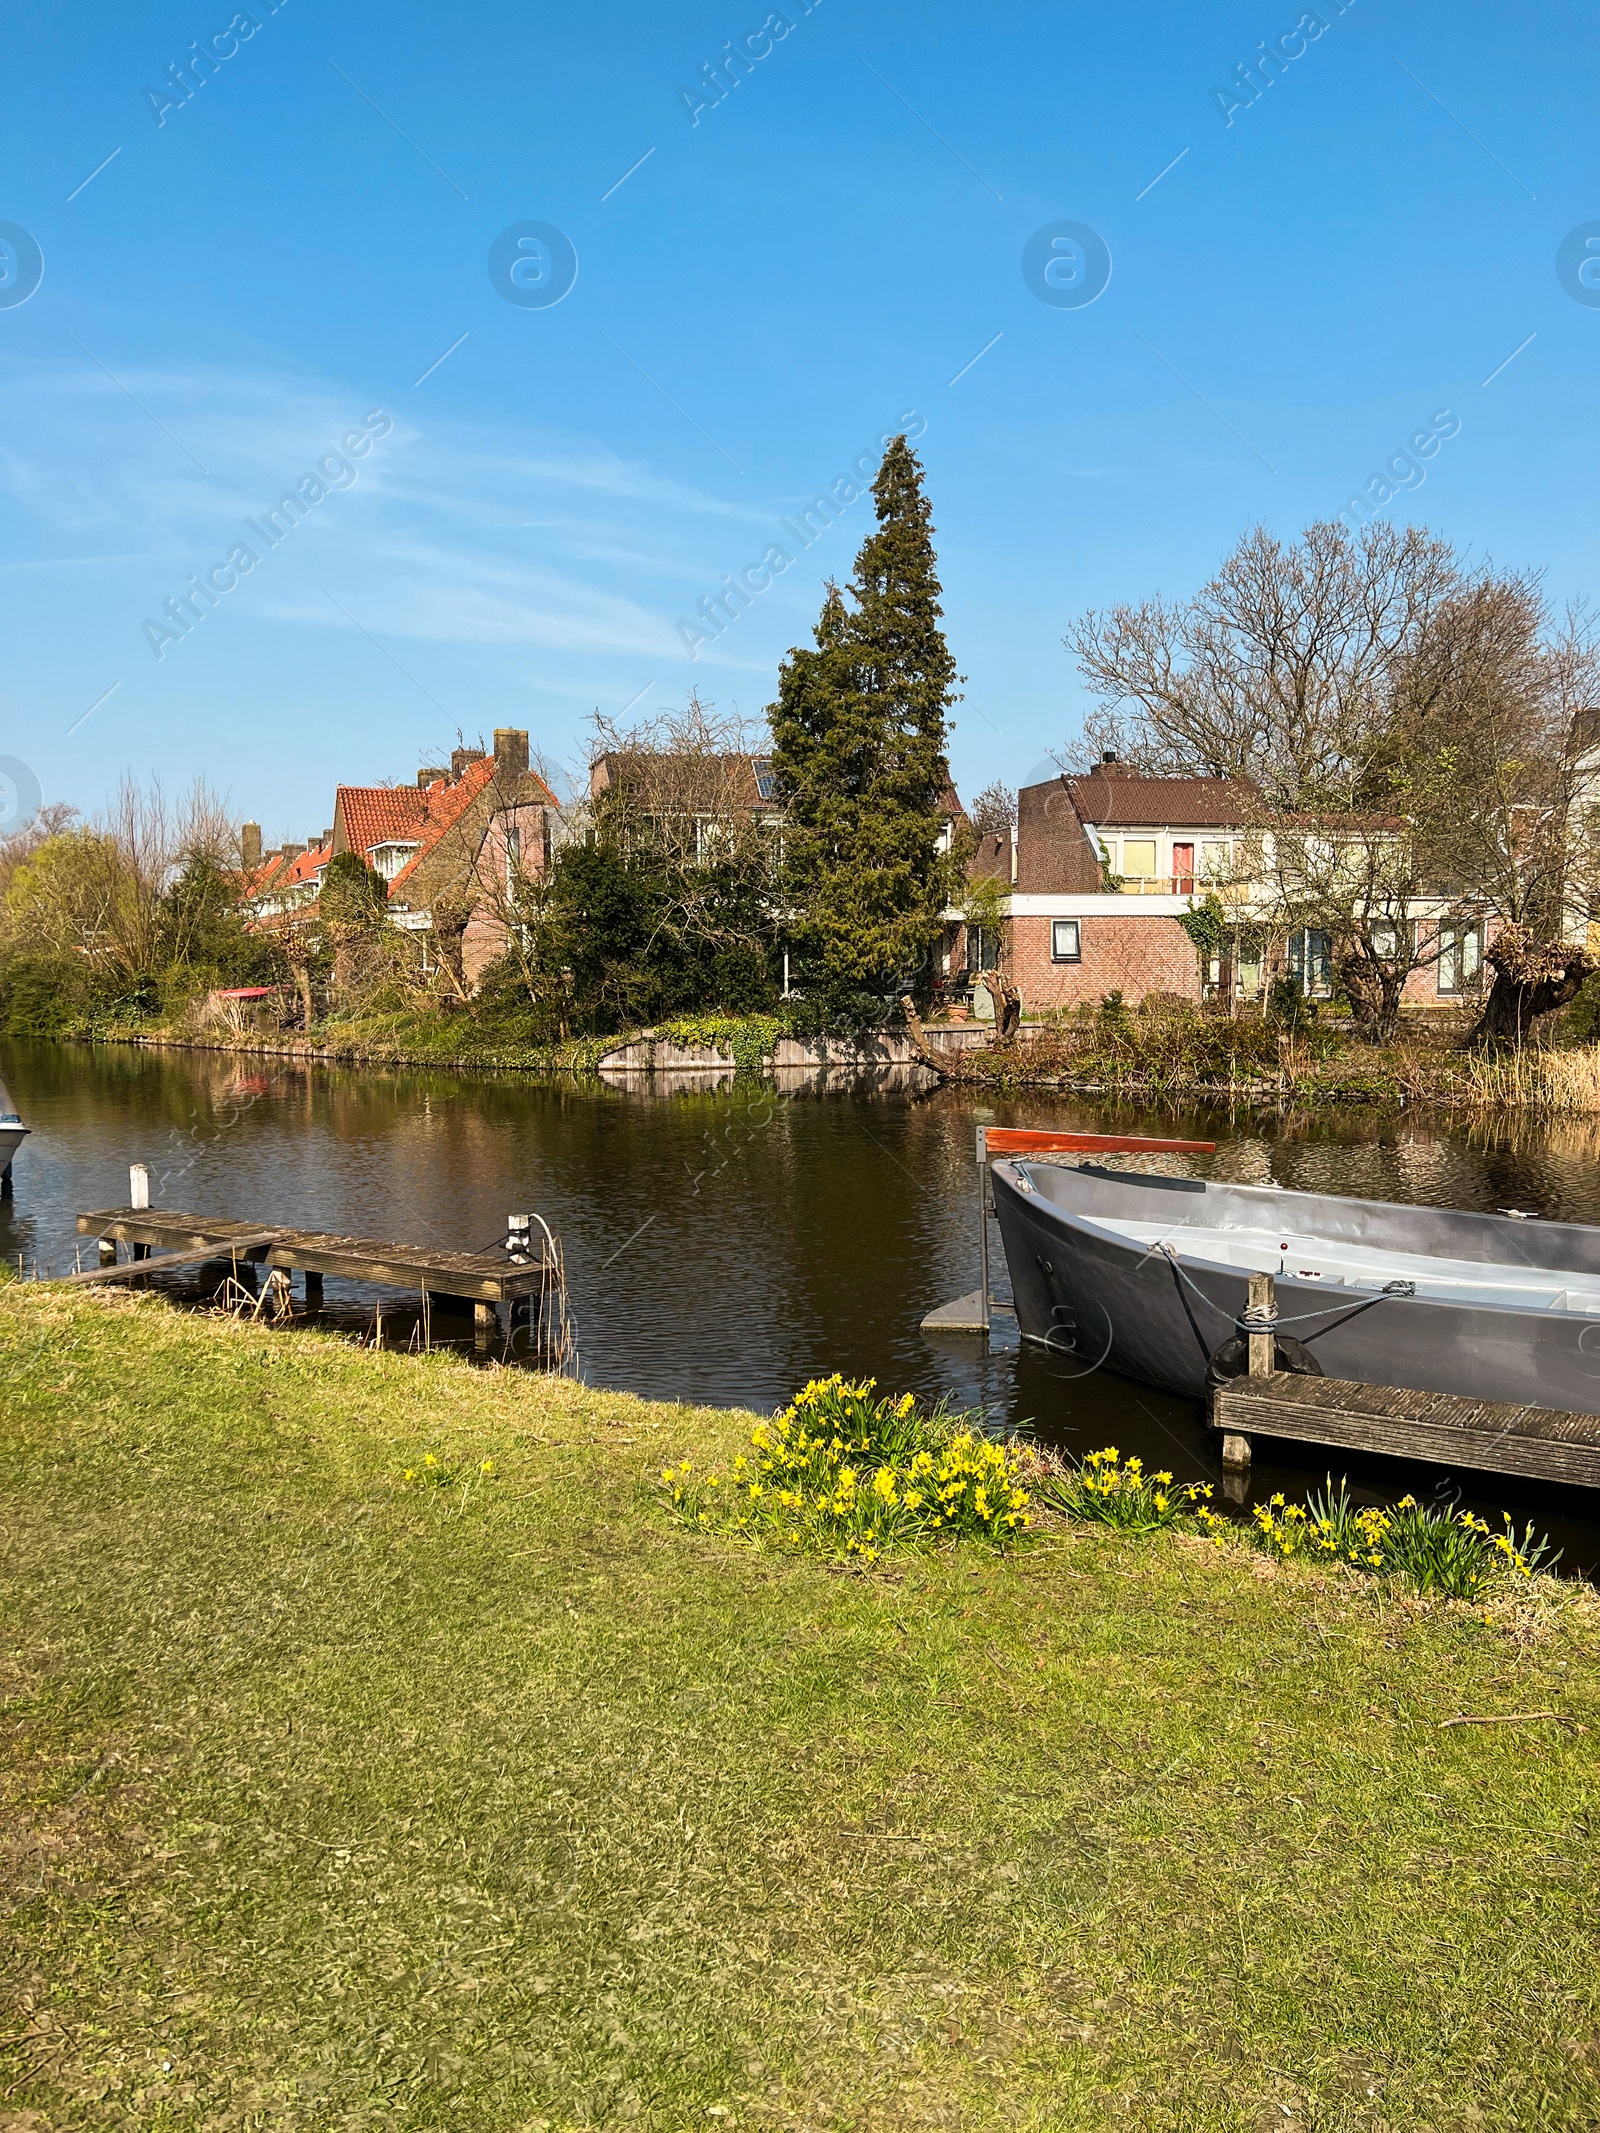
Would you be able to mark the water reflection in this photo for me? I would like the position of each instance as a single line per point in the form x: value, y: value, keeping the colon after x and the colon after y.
x: 724, y: 1242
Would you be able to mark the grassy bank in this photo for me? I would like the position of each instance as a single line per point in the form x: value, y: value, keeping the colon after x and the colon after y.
x: 337, y: 1801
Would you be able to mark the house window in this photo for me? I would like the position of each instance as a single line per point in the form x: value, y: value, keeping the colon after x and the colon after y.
x: 513, y: 854
x: 1311, y: 961
x: 1460, y: 958
x: 983, y: 948
x: 1066, y: 941
x: 1139, y: 858
x: 766, y: 782
x: 1216, y: 859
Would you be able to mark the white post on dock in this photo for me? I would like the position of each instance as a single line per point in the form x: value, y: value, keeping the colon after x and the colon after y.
x: 139, y: 1196
x: 983, y: 1223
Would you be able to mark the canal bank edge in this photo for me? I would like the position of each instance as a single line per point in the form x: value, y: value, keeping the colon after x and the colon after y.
x: 1357, y: 1073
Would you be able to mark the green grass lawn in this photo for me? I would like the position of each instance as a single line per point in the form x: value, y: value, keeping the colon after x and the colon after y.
x: 333, y: 1802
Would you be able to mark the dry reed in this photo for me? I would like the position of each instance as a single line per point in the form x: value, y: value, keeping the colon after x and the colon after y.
x: 1567, y: 1082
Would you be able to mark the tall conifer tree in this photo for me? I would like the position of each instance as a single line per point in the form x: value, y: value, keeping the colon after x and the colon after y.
x: 859, y: 739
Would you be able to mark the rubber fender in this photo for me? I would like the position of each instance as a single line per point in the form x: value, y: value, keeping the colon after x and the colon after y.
x: 1232, y: 1360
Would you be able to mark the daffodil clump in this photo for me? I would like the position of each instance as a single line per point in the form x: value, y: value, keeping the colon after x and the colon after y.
x: 1452, y: 1552
x: 432, y: 1472
x: 1447, y: 1551
x: 842, y: 1473
x: 1108, y: 1490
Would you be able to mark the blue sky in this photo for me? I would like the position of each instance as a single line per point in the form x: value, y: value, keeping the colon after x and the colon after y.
x: 785, y: 278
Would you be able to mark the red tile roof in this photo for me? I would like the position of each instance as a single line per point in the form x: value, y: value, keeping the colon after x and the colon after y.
x: 304, y: 867
x: 255, y: 879
x: 448, y: 803
x: 1158, y: 803
x: 275, y: 874
x: 382, y: 814
x: 445, y: 805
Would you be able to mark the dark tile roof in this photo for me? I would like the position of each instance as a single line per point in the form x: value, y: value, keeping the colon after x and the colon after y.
x: 1122, y: 801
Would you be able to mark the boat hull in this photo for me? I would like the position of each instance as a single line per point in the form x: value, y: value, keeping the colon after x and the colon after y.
x: 12, y: 1137
x: 1158, y: 1315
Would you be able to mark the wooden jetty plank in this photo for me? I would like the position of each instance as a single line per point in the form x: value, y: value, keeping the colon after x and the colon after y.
x: 135, y: 1269
x: 1543, y: 1443
x: 479, y: 1277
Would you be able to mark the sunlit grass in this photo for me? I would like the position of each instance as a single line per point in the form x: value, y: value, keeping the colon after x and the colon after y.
x: 339, y: 1800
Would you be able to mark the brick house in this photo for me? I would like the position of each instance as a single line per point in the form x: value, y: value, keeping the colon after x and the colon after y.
x: 1108, y: 863
x: 451, y: 848
x: 1105, y: 866
x: 702, y: 789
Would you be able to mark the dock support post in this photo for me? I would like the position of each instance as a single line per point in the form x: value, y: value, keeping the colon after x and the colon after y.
x: 108, y: 1251
x: 280, y: 1296
x: 1235, y: 1452
x: 139, y: 1196
x: 486, y: 1323
x: 1260, y: 1315
x: 313, y: 1293
x: 983, y: 1223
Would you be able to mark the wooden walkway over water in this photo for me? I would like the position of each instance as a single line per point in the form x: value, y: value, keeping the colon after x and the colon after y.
x: 487, y: 1279
x: 1494, y: 1437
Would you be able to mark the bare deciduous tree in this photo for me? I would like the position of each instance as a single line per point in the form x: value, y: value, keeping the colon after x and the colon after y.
x: 1277, y: 670
x: 1405, y: 724
x: 994, y: 811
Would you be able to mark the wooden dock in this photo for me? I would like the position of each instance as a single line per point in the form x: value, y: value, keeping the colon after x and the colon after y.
x: 488, y: 1279
x: 1488, y: 1435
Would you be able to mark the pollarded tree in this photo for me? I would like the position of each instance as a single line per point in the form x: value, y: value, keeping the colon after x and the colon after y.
x: 859, y: 740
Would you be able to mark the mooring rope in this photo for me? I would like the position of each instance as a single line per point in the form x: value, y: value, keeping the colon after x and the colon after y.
x: 1256, y: 1320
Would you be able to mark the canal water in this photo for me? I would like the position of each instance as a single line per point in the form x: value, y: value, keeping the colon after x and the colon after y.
x: 723, y: 1245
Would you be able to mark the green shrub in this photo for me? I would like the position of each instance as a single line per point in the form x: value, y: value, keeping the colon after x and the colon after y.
x: 745, y: 1039
x: 1583, y: 1016
x: 842, y: 1474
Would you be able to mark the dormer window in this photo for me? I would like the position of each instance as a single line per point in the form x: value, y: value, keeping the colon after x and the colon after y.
x: 388, y: 859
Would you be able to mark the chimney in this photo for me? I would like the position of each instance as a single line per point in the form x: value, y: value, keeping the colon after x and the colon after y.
x: 510, y: 752
x: 435, y: 774
x: 460, y: 758
x: 291, y: 852
x: 250, y: 846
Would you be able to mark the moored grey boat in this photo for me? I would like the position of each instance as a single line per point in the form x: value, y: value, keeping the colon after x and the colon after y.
x: 12, y: 1132
x: 1148, y: 1276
